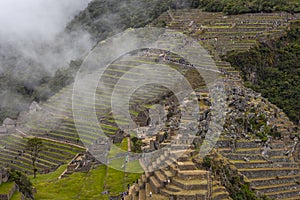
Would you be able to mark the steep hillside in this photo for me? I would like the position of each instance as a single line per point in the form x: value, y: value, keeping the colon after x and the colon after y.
x: 40, y: 79
x: 258, y: 139
x: 256, y: 156
x: 105, y: 18
x: 272, y: 69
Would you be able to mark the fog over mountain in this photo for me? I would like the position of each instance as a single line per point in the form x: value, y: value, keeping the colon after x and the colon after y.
x: 33, y: 45
x: 34, y: 29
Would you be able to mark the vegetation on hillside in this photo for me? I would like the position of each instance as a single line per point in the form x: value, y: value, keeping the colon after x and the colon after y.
x: 23, y: 182
x: 82, y: 185
x: 273, y: 69
x: 233, y: 7
x: 104, y: 18
x: 34, y: 146
x: 233, y: 181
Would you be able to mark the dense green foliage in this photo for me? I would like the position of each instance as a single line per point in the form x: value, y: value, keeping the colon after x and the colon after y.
x: 136, y: 145
x: 23, y: 182
x: 249, y: 6
x: 34, y: 146
x: 273, y: 70
x: 104, y: 18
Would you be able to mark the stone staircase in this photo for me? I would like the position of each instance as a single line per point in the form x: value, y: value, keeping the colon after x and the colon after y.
x: 219, y: 192
x: 179, y: 180
x: 176, y: 177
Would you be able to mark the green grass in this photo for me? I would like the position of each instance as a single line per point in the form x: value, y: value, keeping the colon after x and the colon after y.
x: 6, y: 187
x: 116, y: 180
x: 85, y: 186
x: 118, y: 148
x: 16, y: 196
x: 77, y: 186
x: 132, y: 166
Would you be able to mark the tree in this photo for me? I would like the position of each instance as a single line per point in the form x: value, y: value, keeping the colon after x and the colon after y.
x: 136, y: 145
x: 34, y: 146
x: 23, y: 182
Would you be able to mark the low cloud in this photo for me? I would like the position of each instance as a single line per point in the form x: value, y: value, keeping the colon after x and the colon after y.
x: 33, y: 32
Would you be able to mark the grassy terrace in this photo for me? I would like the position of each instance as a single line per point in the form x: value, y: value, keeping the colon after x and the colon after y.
x: 5, y: 188
x: 16, y: 196
x: 234, y: 27
x: 80, y: 185
x: 87, y: 185
x: 60, y: 105
x: 52, y: 155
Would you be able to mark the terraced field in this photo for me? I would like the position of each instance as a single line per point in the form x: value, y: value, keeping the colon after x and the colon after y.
x: 14, y: 155
x: 226, y: 33
x: 272, y: 172
x: 275, y: 173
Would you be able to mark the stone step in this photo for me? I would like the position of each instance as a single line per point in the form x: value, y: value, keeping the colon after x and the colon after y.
x: 154, y: 183
x: 291, y: 198
x: 186, y: 194
x: 281, y: 159
x: 154, y: 194
x: 172, y: 188
x: 263, y: 164
x: 256, y: 182
x: 272, y: 152
x: 167, y: 173
x: 277, y: 187
x: 284, y: 194
x: 220, y: 195
x: 178, y: 153
x: 173, y: 169
x: 255, y: 157
x: 239, y: 156
x: 225, y: 150
x: 277, y: 145
x: 269, y: 172
x: 160, y: 178
x: 183, y: 158
x: 188, y: 165
x: 192, y: 174
x: 247, y: 144
x: 190, y: 184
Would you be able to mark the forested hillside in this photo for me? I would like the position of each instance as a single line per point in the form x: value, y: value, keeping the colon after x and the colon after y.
x: 273, y: 69
x: 103, y: 18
